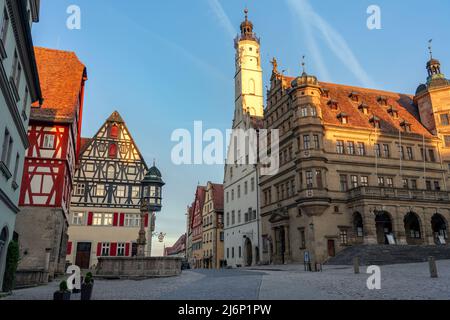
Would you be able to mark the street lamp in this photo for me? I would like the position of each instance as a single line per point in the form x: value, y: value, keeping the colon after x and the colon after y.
x: 151, y: 201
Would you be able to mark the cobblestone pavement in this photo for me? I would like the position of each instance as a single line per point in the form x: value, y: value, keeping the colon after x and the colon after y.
x: 410, y: 281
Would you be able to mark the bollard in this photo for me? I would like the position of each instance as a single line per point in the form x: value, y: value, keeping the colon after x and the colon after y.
x: 356, y: 265
x: 433, y: 267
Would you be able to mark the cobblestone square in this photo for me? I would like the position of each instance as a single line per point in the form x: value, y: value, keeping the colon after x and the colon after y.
x: 291, y: 282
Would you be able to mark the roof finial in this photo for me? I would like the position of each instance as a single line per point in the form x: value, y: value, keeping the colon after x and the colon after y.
x: 430, y: 48
x: 274, y: 65
x: 303, y: 64
x: 154, y: 162
x: 246, y: 13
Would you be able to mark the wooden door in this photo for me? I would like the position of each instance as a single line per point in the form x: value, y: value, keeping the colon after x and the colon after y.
x: 331, y: 248
x: 83, y: 256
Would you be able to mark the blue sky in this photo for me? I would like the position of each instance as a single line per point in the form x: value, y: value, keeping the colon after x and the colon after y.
x: 165, y: 64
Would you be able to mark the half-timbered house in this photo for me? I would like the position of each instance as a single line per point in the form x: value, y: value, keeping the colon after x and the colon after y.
x: 54, y: 136
x: 105, y: 209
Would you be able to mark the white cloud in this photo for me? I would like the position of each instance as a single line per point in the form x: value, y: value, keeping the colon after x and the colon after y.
x: 222, y: 17
x: 333, y: 39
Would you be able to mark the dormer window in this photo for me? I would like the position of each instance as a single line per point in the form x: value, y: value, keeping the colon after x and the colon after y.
x: 376, y: 122
x: 325, y: 93
x: 364, y: 108
x: 343, y: 117
x: 393, y: 112
x: 333, y: 104
x: 406, y: 126
x: 354, y: 96
x: 382, y: 100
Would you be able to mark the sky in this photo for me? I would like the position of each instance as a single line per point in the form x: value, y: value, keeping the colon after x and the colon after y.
x: 165, y: 64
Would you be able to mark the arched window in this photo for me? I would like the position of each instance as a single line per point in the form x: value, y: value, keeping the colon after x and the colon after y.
x: 412, y: 227
x: 114, y: 131
x: 112, y: 150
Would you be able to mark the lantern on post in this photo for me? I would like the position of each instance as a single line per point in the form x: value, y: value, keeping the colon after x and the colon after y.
x: 151, y: 201
x: 151, y: 190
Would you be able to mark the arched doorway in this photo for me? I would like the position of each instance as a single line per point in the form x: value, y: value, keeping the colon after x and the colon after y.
x: 3, y: 241
x: 384, y: 227
x: 248, y: 252
x: 412, y: 228
x: 440, y: 229
x: 358, y: 227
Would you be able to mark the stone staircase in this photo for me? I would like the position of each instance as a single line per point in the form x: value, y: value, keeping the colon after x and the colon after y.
x: 384, y: 254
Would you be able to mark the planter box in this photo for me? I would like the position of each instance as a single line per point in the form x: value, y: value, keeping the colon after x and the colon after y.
x: 61, y: 296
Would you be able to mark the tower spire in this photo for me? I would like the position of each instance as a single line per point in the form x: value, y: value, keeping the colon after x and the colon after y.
x: 303, y: 65
x: 430, y: 48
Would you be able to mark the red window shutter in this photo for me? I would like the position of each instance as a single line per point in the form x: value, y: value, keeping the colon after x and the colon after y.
x: 122, y: 219
x: 146, y: 220
x: 127, y: 249
x: 115, y: 219
x: 99, y: 249
x: 113, y: 252
x: 90, y: 218
x: 69, y: 247
x: 114, y: 131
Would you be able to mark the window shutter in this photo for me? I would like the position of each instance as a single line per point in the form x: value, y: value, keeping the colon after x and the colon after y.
x: 122, y: 219
x: 113, y: 252
x: 146, y: 220
x: 99, y: 249
x: 69, y: 248
x: 115, y: 219
x: 90, y: 218
x: 127, y: 249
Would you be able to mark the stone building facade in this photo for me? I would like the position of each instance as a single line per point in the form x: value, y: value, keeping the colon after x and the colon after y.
x: 357, y: 166
x: 195, y: 258
x: 212, y: 227
x: 19, y: 83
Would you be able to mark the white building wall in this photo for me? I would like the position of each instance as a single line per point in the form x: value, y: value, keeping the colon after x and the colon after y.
x: 14, y: 118
x: 236, y: 233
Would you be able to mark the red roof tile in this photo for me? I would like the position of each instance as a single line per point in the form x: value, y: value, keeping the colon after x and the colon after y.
x: 403, y: 103
x: 61, y: 75
x: 84, y: 143
x: 217, y: 196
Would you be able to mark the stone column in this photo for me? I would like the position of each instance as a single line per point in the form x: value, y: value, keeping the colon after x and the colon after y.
x: 398, y: 225
x: 287, y: 249
x: 427, y: 228
x: 141, y: 241
x: 274, y: 243
x: 369, y: 227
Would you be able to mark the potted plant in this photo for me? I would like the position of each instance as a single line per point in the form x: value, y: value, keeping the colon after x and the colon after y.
x: 87, y: 286
x: 63, y: 293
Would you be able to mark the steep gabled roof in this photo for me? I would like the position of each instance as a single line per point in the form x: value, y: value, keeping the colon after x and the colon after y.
x: 61, y: 76
x: 115, y: 115
x: 200, y: 196
x: 84, y: 142
x: 340, y: 94
x: 217, y: 196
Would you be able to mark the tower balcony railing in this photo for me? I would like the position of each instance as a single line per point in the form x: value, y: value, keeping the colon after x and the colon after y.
x: 250, y: 36
x: 398, y: 194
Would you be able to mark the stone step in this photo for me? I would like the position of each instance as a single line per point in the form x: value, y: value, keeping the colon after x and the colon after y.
x: 384, y: 254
